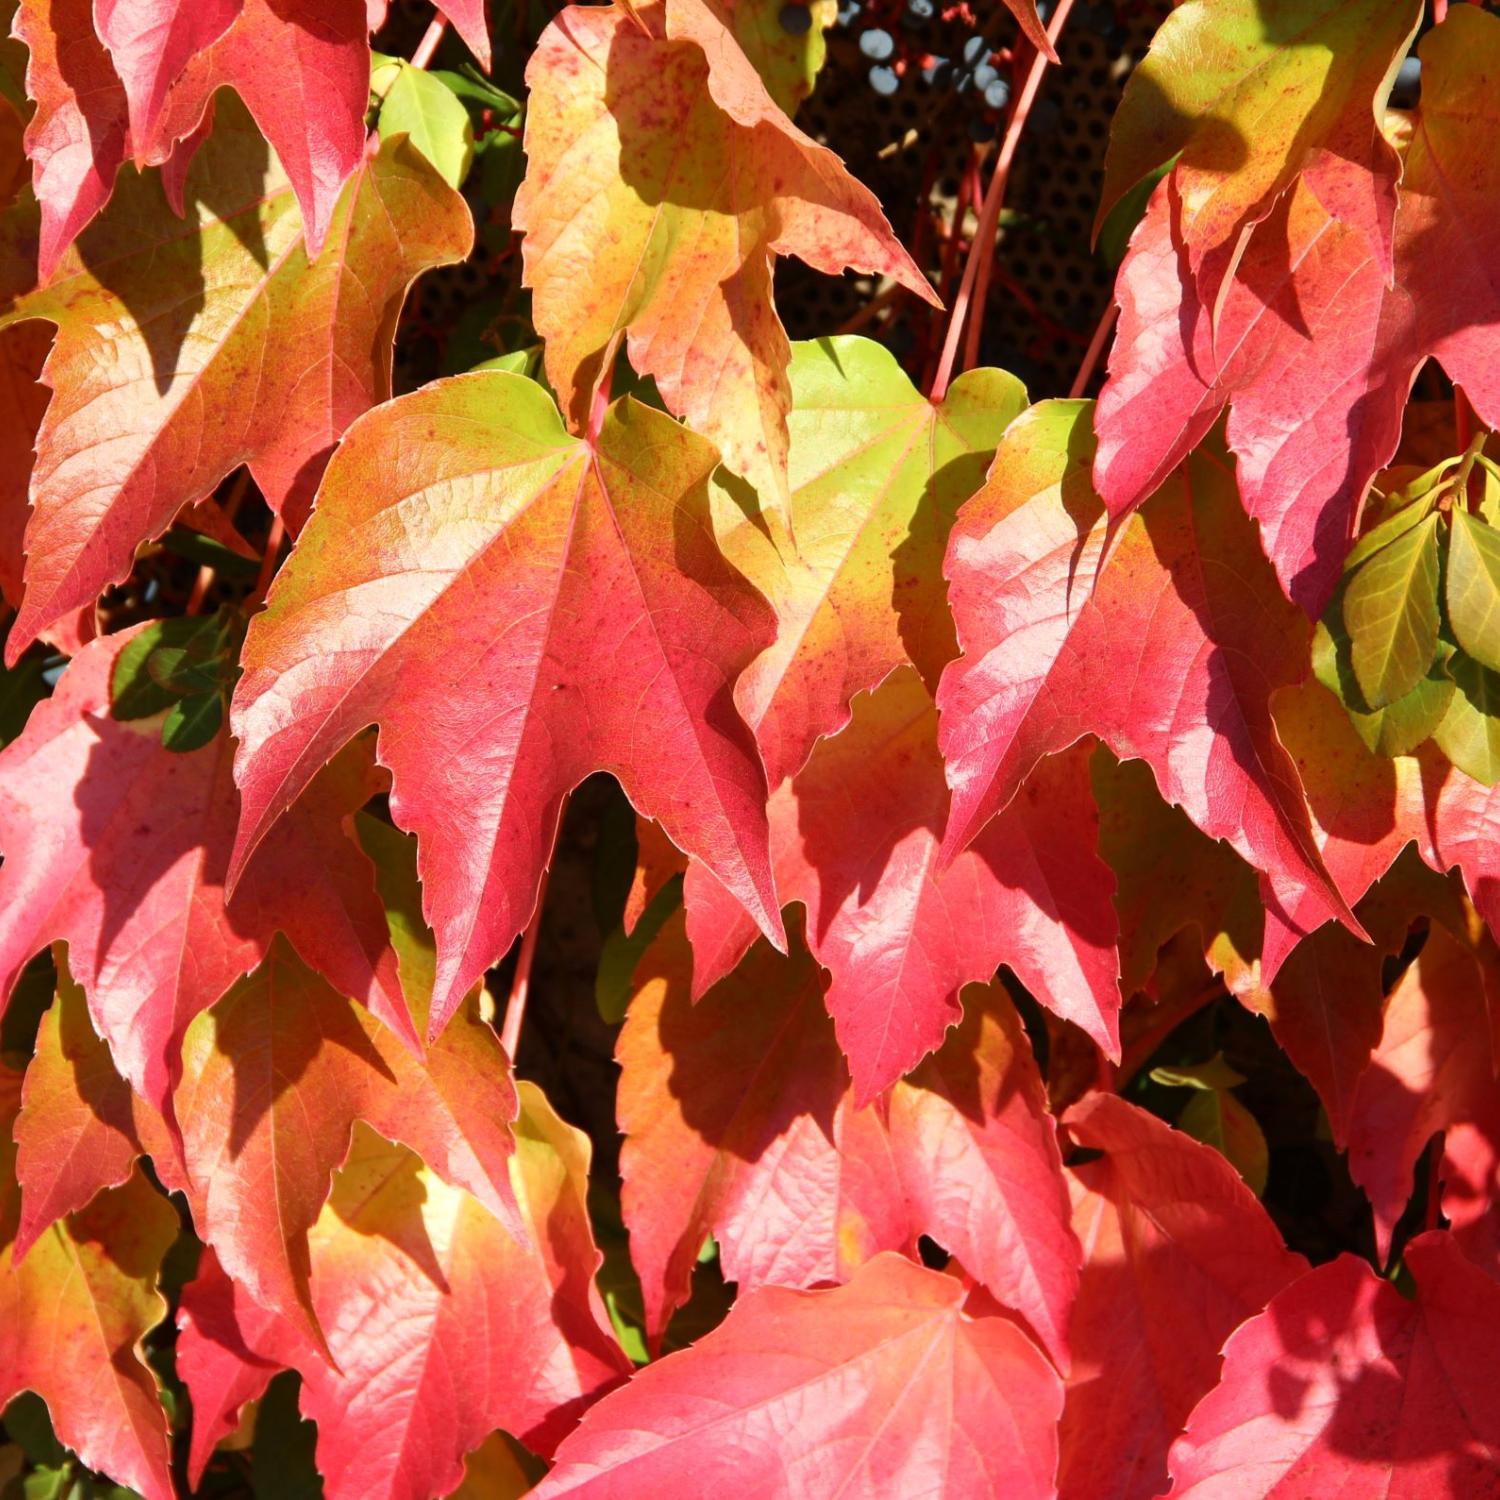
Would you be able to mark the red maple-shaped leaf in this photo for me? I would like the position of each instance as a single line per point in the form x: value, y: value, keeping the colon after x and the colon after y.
x: 740, y: 1122
x: 81, y: 1126
x: 515, y: 608
x: 1176, y: 1254
x: 895, y: 1384
x: 1309, y: 345
x: 274, y: 1077
x: 302, y: 68
x: 182, y: 352
x: 662, y: 182
x: 1170, y: 655
x: 443, y: 1325
x: 1345, y: 1387
x: 118, y: 847
x: 74, y: 1312
x: 1434, y: 1067
x: 855, y: 837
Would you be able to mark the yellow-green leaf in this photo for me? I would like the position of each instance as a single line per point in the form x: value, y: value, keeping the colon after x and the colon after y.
x: 427, y: 112
x: 1470, y: 732
x: 1474, y: 587
x: 1391, y: 611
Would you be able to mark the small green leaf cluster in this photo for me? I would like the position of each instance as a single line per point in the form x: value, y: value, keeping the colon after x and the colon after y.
x: 184, y: 668
x: 1411, y: 641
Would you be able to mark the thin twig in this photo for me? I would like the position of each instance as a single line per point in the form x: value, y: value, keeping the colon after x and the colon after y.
x: 520, y: 986
x: 429, y: 43
x: 976, y: 282
x: 268, y: 562
x: 1095, y: 349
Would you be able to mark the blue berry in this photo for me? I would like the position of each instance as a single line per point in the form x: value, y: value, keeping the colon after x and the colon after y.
x: 938, y: 73
x: 796, y: 20
x: 975, y: 50
x: 884, y: 81
x: 918, y: 13
x: 1407, y: 88
x: 984, y: 75
x: 997, y: 95
x: 877, y: 44
x: 848, y: 11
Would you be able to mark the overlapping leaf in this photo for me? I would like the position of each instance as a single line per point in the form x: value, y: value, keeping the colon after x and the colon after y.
x: 515, y: 608
x: 1241, y: 96
x: 855, y: 838
x: 1177, y: 1253
x: 73, y: 1314
x: 443, y: 1325
x: 147, y: 79
x: 81, y: 1126
x: 1435, y: 1066
x: 273, y: 1079
x: 1170, y: 656
x: 739, y: 1121
x: 891, y: 1385
x: 183, y: 351
x: 877, y: 473
x: 1343, y: 1386
x: 119, y: 847
x: 662, y: 182
x: 1309, y: 346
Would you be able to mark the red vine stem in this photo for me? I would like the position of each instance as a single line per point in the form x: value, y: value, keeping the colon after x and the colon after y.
x: 520, y: 985
x: 267, y: 562
x: 429, y: 43
x: 1095, y: 350
x: 976, y: 283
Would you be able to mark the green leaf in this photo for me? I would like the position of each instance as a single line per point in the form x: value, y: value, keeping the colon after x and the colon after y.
x: 1399, y: 727
x: 1473, y: 587
x: 193, y: 722
x: 472, y: 88
x: 420, y: 107
x: 1218, y: 1119
x: 1469, y: 734
x: 1391, y: 611
x: 22, y: 687
x: 134, y: 691
x: 207, y: 552
x: 27, y: 1422
x: 281, y: 1463
x: 1213, y: 1074
x: 622, y: 952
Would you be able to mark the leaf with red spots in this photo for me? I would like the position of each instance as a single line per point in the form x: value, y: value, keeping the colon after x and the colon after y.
x: 662, y: 183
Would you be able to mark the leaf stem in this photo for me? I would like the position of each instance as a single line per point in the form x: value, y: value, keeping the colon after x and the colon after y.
x: 1095, y: 349
x: 975, y: 286
x: 520, y: 985
x: 429, y: 43
x: 267, y: 562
